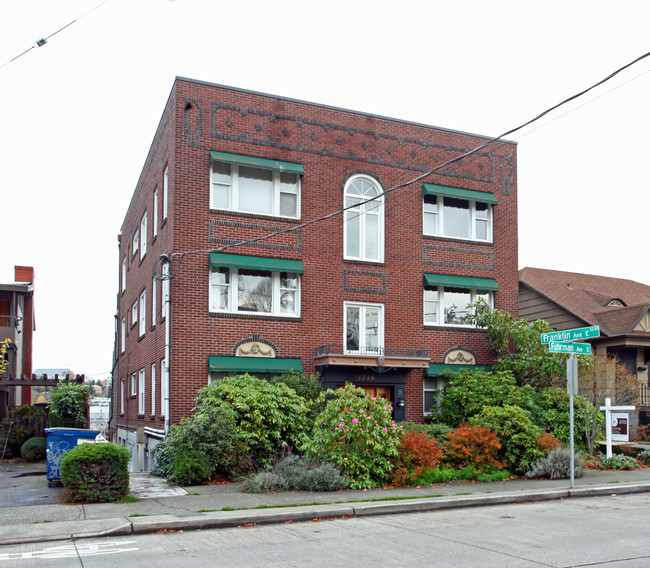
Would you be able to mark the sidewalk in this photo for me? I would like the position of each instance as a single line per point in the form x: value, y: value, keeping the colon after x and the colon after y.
x: 163, y: 507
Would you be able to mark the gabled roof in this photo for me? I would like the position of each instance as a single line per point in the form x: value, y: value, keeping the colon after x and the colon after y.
x: 586, y: 296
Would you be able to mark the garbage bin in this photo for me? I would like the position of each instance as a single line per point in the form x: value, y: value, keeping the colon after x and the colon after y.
x: 60, y: 441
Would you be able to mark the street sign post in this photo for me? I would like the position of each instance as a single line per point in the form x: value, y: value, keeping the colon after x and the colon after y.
x: 559, y: 342
x: 571, y: 334
x: 580, y: 348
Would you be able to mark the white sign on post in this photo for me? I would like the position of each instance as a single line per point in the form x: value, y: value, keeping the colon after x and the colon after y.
x: 608, y: 408
x: 620, y: 427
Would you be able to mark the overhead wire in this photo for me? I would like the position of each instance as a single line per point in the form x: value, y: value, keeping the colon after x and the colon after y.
x: 42, y: 41
x: 167, y: 258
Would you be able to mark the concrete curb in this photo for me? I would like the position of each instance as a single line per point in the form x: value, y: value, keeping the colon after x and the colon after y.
x: 121, y: 526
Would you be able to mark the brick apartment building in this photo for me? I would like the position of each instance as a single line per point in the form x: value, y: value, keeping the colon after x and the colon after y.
x: 376, y: 295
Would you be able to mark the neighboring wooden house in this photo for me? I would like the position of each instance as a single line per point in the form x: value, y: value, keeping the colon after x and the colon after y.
x: 620, y: 307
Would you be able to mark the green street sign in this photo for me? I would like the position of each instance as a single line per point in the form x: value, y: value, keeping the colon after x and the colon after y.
x: 580, y: 348
x: 571, y: 334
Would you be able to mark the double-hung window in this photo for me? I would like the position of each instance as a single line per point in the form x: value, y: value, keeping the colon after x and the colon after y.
x: 255, y: 285
x: 141, y: 391
x: 123, y: 335
x: 255, y: 185
x: 364, y: 328
x: 457, y: 213
x: 363, y: 234
x: 449, y: 300
x: 142, y: 325
x: 143, y: 236
x: 134, y: 313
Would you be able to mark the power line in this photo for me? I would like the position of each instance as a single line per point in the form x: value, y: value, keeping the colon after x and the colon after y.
x: 168, y: 257
x: 42, y: 41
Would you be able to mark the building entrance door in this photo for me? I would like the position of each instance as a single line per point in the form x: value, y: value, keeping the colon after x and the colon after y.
x: 379, y: 392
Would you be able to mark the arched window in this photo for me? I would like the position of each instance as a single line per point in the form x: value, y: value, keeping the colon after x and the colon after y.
x: 364, y: 224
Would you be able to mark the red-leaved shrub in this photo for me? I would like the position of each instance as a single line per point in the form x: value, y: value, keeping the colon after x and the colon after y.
x: 417, y: 454
x: 473, y: 446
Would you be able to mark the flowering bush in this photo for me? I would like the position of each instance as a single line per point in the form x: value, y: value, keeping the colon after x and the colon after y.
x: 356, y: 434
x: 475, y: 447
x: 417, y: 454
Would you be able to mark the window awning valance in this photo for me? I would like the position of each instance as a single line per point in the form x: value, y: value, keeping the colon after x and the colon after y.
x: 256, y: 263
x: 461, y: 282
x: 436, y: 369
x: 254, y: 162
x: 431, y: 189
x: 253, y: 365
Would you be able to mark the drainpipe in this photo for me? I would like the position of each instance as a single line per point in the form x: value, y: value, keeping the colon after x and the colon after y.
x: 167, y: 309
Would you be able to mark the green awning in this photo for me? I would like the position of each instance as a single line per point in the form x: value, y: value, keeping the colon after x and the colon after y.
x: 435, y: 370
x: 431, y: 189
x: 461, y: 282
x: 253, y: 162
x: 256, y: 262
x: 253, y: 365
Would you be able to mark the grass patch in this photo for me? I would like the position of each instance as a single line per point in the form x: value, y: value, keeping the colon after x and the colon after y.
x: 447, y: 475
x: 127, y: 499
x: 138, y: 515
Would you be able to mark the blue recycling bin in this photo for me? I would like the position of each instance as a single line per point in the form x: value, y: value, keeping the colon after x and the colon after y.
x: 60, y: 441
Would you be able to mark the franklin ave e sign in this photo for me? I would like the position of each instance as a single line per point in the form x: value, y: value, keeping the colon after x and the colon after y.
x: 570, y: 335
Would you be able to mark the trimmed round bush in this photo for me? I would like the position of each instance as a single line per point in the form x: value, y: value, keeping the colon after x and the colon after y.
x: 34, y: 449
x: 96, y: 473
x: 191, y: 467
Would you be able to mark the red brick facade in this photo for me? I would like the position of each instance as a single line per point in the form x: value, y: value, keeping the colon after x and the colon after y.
x: 331, y: 145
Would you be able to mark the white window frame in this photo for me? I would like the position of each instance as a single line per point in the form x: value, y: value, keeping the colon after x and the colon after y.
x: 141, y: 390
x: 134, y: 313
x: 154, y: 301
x: 363, y: 348
x: 135, y: 242
x: 122, y: 395
x: 123, y: 335
x: 165, y: 192
x: 163, y: 387
x: 436, y: 212
x: 153, y: 389
x: 142, y: 327
x: 430, y: 384
x: 234, y: 203
x: 134, y: 384
x: 123, y: 279
x: 155, y: 213
x: 440, y: 291
x: 374, y: 208
x: 143, y: 236
x: 233, y: 288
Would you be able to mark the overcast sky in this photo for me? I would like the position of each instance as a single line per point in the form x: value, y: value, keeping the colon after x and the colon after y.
x: 78, y: 116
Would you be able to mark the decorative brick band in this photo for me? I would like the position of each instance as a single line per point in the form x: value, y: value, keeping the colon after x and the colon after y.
x: 484, y: 260
x: 354, y: 281
x: 261, y: 230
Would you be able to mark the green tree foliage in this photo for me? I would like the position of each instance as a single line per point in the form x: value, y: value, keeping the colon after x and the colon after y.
x: 468, y: 392
x: 68, y: 403
x: 517, y: 347
x: 96, y: 473
x: 212, y: 434
x: 357, y: 435
x: 518, y: 435
x: 270, y: 418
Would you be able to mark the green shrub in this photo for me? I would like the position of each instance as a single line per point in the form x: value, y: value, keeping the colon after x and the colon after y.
x: 68, y: 404
x: 191, y: 467
x: 356, y: 434
x: 446, y: 475
x: 434, y: 430
x: 644, y: 457
x: 265, y: 482
x: 557, y: 465
x: 211, y: 433
x: 12, y: 437
x: 270, y: 418
x: 617, y: 461
x: 34, y: 449
x: 518, y: 435
x: 96, y: 473
x: 467, y: 393
x: 308, y: 474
